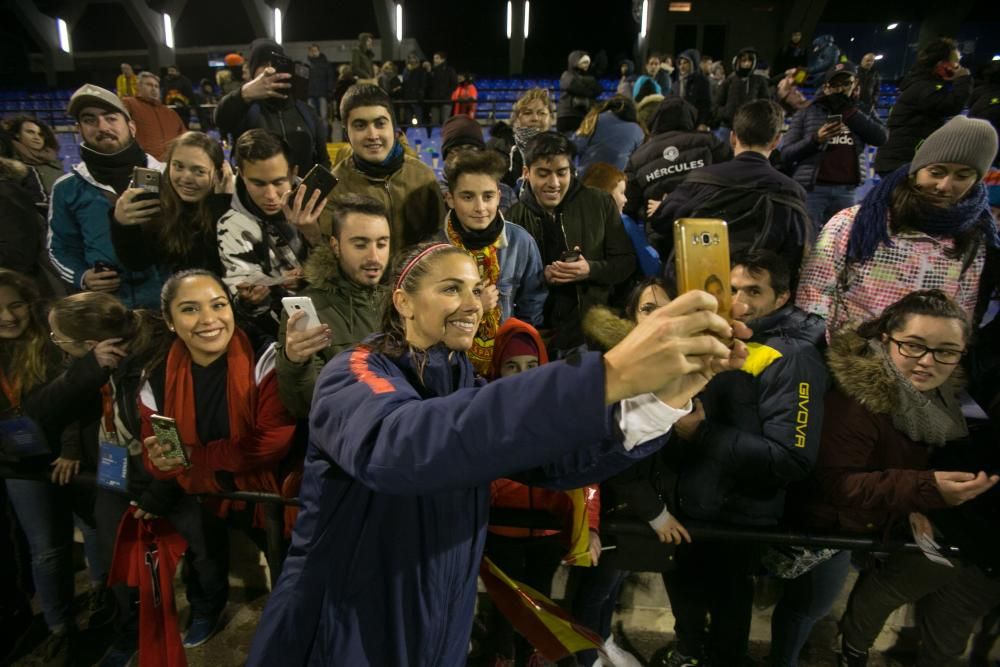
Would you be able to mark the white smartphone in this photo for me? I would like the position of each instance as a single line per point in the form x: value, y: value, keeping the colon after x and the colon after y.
x: 295, y: 304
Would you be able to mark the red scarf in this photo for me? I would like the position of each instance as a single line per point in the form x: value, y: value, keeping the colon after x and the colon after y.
x: 241, y: 395
x: 488, y: 262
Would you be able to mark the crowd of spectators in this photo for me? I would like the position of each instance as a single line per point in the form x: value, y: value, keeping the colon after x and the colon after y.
x: 509, y: 337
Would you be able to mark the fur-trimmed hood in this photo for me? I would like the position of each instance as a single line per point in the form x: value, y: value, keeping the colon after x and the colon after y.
x: 604, y: 327
x: 862, y: 376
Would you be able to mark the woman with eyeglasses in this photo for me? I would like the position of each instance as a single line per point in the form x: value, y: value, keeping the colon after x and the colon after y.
x: 896, y: 402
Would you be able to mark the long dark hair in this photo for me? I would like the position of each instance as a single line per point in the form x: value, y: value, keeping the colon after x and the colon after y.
x: 15, y: 124
x: 632, y: 305
x: 908, y: 203
x: 28, y: 358
x: 929, y: 302
x: 935, y: 51
x: 177, y: 230
x: 393, y: 341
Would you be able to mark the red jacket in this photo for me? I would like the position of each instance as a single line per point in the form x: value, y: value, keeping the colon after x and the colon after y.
x: 510, y: 494
x: 464, y: 98
x: 156, y: 125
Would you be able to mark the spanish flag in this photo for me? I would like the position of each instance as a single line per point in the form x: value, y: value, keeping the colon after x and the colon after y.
x: 541, y: 621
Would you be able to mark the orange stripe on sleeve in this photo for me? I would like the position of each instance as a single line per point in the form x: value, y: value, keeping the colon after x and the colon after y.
x: 359, y: 367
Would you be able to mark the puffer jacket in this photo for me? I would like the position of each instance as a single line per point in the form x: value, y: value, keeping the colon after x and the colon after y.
x: 672, y: 151
x: 925, y: 102
x: 868, y: 474
x: 762, y: 426
x: 410, y: 194
x: 577, y: 90
x: 588, y: 218
x: 737, y: 90
x: 802, y: 155
x: 351, y: 311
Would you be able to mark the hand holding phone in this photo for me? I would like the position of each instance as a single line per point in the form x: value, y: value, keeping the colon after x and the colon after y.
x: 147, y: 180
x: 702, y: 256
x: 305, y: 334
x: 169, y: 440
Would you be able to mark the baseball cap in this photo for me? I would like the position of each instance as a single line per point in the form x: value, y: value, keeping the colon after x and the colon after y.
x: 89, y: 95
x: 847, y: 68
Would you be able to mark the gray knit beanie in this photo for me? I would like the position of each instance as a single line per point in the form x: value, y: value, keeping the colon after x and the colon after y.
x: 969, y: 141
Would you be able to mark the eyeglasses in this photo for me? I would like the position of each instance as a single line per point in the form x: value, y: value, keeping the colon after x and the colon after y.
x: 945, y: 356
x: 60, y: 341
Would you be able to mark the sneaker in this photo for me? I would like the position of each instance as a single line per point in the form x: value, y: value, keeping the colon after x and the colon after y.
x: 202, y: 629
x: 616, y: 656
x: 58, y: 649
x: 100, y: 607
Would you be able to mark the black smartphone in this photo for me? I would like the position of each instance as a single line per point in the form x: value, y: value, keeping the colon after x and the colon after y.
x: 835, y: 118
x: 101, y: 266
x: 300, y: 74
x: 147, y: 180
x: 570, y: 256
x: 319, y: 178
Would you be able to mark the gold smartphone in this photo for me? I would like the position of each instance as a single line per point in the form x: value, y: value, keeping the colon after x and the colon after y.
x: 165, y: 430
x: 701, y: 246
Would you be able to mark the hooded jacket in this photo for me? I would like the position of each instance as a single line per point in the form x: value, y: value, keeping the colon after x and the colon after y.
x: 825, y: 54
x: 79, y: 235
x: 868, y: 474
x: 351, y: 311
x: 577, y: 91
x: 762, y: 425
x: 672, y: 151
x: 802, y: 154
x: 383, y: 561
x: 411, y: 195
x: 697, y: 89
x: 737, y: 89
x: 588, y: 218
x: 924, y: 103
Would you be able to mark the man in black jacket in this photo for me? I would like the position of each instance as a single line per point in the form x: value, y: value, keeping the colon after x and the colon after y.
x: 320, y: 82
x: 442, y: 82
x: 584, y: 246
x: 765, y: 208
x: 740, y: 87
x: 265, y: 102
x: 869, y: 84
x: 751, y: 434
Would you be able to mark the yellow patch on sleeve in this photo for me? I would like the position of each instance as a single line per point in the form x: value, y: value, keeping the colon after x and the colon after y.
x: 761, y: 356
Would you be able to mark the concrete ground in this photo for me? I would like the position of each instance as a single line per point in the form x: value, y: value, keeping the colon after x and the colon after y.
x: 644, y: 622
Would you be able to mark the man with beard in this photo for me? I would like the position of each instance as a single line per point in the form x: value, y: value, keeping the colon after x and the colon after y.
x: 79, y: 239
x: 378, y: 167
x: 265, y: 102
x: 344, y: 285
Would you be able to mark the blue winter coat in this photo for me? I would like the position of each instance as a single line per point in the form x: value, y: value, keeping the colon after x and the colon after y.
x: 801, y: 155
x: 612, y: 141
x: 385, y: 553
x: 80, y: 235
x: 762, y: 426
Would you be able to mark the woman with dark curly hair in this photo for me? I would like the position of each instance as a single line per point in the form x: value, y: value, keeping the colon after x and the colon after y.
x: 35, y: 145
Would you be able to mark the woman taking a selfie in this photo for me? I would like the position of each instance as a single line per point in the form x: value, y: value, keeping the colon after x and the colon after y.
x: 404, y: 442
x: 177, y: 229
x: 223, y: 393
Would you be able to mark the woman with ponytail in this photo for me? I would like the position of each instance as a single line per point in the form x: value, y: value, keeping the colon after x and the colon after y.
x: 405, y: 440
x: 927, y: 225
x: 610, y: 132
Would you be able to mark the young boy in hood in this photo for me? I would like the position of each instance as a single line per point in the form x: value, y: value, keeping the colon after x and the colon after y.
x: 740, y: 87
x: 578, y: 90
x: 528, y: 555
x: 694, y: 87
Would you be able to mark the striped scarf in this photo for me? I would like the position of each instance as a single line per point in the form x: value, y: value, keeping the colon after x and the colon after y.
x: 488, y: 261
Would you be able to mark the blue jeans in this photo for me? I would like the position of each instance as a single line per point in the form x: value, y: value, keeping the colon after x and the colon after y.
x: 825, y: 201
x: 45, y: 512
x: 595, y: 601
x: 804, y: 601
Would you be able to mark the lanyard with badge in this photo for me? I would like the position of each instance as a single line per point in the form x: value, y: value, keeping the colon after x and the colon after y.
x: 112, y: 466
x: 20, y: 437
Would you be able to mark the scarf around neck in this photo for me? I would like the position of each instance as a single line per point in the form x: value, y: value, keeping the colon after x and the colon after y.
x: 114, y: 169
x: 473, y: 239
x: 36, y: 157
x: 522, y: 135
x: 871, y: 224
x: 933, y: 417
x: 488, y: 261
x: 390, y: 165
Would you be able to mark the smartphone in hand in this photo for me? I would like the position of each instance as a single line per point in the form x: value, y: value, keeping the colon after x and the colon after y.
x: 165, y: 430
x: 570, y: 256
x: 295, y: 304
x: 319, y: 178
x: 147, y: 180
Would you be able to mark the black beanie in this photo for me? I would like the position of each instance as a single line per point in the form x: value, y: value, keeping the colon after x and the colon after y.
x: 260, y: 53
x: 460, y: 131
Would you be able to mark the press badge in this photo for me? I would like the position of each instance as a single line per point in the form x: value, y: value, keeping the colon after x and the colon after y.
x: 20, y: 438
x: 112, y: 468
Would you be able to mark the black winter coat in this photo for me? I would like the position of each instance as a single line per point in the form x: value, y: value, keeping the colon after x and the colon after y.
x: 800, y: 152
x: 735, y: 91
x: 925, y: 102
x: 762, y: 426
x: 443, y: 80
x: 577, y: 90
x: 673, y: 151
